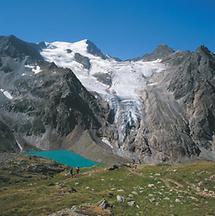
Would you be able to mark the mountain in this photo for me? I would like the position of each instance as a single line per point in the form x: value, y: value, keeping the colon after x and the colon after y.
x: 157, y: 108
x: 13, y: 47
x: 41, y: 104
x: 160, y: 52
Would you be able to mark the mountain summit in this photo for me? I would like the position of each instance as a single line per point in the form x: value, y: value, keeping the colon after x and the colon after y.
x: 160, y: 52
x: 94, y: 50
x: 13, y: 47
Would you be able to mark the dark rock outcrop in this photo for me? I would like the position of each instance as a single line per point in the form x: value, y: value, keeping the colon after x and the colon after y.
x: 7, y: 139
x: 11, y: 46
x: 85, y: 61
x: 93, y: 49
x: 193, y: 84
x: 103, y: 78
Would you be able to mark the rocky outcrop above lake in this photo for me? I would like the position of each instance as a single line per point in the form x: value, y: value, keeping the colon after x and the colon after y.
x: 8, y: 142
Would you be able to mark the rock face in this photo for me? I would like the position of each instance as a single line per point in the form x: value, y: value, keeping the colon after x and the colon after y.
x: 193, y: 85
x: 94, y: 50
x: 82, y: 60
x: 179, y: 108
x: 16, y: 48
x: 157, y: 108
x: 8, y: 142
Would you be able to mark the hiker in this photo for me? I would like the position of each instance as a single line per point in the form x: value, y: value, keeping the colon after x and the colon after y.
x: 77, y: 170
x: 71, y: 172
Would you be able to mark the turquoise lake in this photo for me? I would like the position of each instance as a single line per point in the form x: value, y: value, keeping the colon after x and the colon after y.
x: 65, y: 157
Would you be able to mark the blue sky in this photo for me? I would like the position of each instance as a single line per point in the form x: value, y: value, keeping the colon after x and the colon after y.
x: 122, y: 28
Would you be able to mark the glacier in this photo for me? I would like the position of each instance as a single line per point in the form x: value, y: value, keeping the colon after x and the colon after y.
x: 124, y: 89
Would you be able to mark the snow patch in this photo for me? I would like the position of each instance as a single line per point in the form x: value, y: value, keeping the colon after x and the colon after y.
x: 46, y: 43
x: 35, y: 68
x: 106, y: 141
x: 19, y: 145
x: 29, y: 66
x: 6, y: 94
x: 152, y: 84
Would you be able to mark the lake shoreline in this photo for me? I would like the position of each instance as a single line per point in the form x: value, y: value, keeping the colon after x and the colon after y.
x: 65, y: 157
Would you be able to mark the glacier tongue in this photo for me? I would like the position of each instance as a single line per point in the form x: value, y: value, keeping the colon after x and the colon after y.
x: 128, y: 81
x: 128, y: 116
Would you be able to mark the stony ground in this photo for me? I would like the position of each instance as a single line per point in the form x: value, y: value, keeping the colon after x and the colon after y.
x: 32, y: 186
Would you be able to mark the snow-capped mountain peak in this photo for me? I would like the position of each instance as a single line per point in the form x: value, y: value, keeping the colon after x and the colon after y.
x: 99, y: 72
x: 84, y: 47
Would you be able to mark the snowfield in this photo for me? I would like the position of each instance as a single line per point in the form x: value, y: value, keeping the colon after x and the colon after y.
x: 128, y: 79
